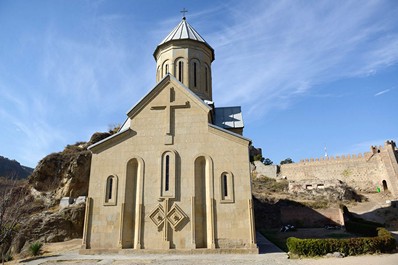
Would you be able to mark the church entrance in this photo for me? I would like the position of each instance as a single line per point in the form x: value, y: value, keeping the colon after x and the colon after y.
x: 385, y: 187
x: 203, y: 206
x: 201, y: 191
x: 131, y: 209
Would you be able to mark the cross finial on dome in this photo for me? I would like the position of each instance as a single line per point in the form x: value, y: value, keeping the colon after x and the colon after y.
x: 183, y: 11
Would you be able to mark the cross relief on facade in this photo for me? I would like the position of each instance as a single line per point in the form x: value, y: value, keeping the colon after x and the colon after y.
x: 169, y: 115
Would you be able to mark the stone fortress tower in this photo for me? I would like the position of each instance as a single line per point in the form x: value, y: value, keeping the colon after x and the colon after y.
x: 176, y: 176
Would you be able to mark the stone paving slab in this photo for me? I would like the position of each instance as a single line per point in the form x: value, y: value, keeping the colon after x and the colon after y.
x: 209, y: 259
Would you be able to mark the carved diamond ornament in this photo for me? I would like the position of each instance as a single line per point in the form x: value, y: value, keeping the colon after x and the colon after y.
x: 157, y: 216
x: 175, y: 216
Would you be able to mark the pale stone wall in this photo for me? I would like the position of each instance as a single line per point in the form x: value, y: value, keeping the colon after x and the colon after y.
x: 230, y: 222
x: 307, y: 217
x: 364, y: 172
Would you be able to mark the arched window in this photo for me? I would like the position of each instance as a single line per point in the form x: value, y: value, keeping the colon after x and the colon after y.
x: 165, y: 68
x: 168, y: 174
x: 180, y: 69
x: 194, y: 74
x: 227, y: 187
x: 158, y: 73
x: 206, y: 79
x: 111, y: 190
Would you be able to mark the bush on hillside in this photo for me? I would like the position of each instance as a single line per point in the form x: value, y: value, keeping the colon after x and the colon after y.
x: 35, y: 248
x: 273, y: 185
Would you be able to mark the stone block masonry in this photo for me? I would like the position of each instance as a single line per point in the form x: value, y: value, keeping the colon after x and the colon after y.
x: 368, y: 172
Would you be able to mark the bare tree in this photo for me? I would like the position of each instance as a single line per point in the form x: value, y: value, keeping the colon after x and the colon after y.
x: 14, y: 199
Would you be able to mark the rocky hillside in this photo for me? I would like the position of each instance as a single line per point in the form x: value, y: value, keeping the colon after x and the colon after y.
x: 12, y: 169
x: 62, y: 174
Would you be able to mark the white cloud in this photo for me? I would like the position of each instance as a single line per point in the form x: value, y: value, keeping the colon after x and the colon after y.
x: 275, y: 52
x: 382, y: 92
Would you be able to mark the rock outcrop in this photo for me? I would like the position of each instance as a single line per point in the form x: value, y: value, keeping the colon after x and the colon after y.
x: 62, y: 174
x: 50, y: 226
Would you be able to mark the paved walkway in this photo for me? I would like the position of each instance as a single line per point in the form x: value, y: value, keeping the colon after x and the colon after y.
x: 213, y: 259
x: 270, y: 255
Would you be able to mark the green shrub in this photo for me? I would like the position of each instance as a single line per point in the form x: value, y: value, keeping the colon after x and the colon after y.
x: 384, y: 242
x: 7, y: 257
x: 258, y: 157
x: 35, y: 248
x: 273, y: 185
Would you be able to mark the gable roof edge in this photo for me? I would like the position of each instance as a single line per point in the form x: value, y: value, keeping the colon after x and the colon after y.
x: 229, y: 132
x: 170, y: 78
x: 139, y: 105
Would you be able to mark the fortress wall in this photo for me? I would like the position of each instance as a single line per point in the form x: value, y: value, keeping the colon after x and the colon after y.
x: 390, y: 160
x: 363, y: 172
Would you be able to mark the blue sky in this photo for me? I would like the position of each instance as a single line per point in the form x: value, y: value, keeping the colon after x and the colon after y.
x: 308, y: 74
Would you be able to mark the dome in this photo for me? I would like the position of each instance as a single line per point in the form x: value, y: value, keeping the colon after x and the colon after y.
x: 184, y: 31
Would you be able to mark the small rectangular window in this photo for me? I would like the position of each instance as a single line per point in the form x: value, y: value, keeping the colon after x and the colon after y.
x: 109, y: 191
x: 180, y: 71
x: 194, y: 74
x: 167, y: 174
x: 206, y: 82
x: 225, y: 185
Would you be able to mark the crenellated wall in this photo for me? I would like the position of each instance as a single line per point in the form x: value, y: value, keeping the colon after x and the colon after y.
x: 364, y: 172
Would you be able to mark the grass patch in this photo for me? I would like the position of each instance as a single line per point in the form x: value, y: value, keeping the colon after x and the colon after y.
x: 339, y: 235
x: 35, y: 248
x: 275, y: 237
x: 317, y: 204
x: 272, y: 185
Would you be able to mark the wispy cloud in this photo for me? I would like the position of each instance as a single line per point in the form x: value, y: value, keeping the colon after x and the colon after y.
x: 362, y: 147
x: 71, y: 85
x: 275, y: 52
x: 67, y: 74
x: 382, y: 92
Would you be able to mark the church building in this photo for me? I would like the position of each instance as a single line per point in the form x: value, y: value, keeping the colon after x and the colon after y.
x: 176, y: 175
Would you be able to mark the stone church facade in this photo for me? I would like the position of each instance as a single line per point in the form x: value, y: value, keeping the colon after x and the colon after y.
x: 176, y: 175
